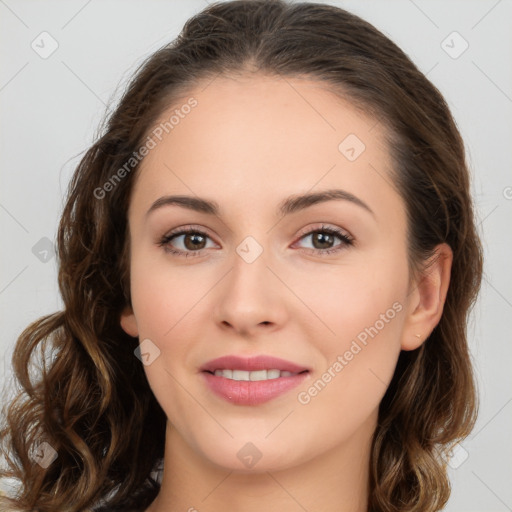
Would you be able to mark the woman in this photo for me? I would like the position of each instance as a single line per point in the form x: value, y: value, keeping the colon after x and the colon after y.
x: 267, y: 261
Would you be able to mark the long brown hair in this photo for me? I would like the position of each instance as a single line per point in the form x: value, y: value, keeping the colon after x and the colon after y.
x: 92, y: 402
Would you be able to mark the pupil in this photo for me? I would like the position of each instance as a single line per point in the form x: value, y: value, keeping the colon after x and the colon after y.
x: 322, y: 238
x: 195, y: 243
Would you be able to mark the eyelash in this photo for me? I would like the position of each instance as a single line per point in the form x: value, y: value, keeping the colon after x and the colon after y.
x: 346, y: 240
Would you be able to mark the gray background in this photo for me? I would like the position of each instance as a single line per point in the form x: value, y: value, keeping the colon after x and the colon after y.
x: 50, y: 108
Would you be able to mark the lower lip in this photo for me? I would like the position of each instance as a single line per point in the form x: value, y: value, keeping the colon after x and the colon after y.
x: 246, y: 392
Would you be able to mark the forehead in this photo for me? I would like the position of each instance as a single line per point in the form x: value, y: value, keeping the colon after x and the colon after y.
x: 259, y: 136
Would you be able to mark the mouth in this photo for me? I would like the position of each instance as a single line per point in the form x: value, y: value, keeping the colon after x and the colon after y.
x: 252, y: 381
x: 253, y: 376
x: 252, y: 365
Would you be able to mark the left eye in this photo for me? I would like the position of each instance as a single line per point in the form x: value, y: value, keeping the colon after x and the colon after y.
x: 323, y: 239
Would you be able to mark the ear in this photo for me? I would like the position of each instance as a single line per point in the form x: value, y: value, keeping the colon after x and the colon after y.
x: 128, y: 322
x: 427, y: 299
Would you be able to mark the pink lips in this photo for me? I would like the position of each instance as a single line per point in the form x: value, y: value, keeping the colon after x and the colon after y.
x: 252, y: 364
x: 252, y: 392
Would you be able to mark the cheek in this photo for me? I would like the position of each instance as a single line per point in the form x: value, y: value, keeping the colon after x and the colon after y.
x: 163, y: 294
x: 168, y: 302
x: 165, y: 301
x: 357, y: 366
x: 357, y: 300
x: 361, y: 308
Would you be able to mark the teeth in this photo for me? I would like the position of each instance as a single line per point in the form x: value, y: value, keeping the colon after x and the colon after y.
x: 253, y: 376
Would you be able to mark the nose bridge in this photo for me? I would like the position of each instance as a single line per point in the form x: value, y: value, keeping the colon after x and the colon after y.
x: 249, y: 294
x: 249, y: 279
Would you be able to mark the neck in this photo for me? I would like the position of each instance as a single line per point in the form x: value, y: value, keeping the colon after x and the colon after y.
x: 334, y: 481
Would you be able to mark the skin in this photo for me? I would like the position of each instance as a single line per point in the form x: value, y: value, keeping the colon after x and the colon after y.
x: 251, y: 142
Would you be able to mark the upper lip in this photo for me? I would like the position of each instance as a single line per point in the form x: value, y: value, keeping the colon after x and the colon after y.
x: 263, y: 362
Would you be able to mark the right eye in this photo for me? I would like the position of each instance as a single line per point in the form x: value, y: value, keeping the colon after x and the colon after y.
x: 192, y: 243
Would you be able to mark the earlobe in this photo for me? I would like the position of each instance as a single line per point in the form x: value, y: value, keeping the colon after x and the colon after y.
x: 128, y: 322
x: 429, y: 298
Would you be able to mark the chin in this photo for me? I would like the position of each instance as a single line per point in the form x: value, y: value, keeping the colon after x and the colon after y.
x: 252, y: 457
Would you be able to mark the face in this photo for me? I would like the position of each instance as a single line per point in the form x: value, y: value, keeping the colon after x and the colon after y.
x: 321, y: 283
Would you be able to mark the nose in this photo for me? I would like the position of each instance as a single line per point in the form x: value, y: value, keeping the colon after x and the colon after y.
x: 250, y: 299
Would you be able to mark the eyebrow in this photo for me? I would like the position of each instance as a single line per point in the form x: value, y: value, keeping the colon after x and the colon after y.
x: 290, y: 205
